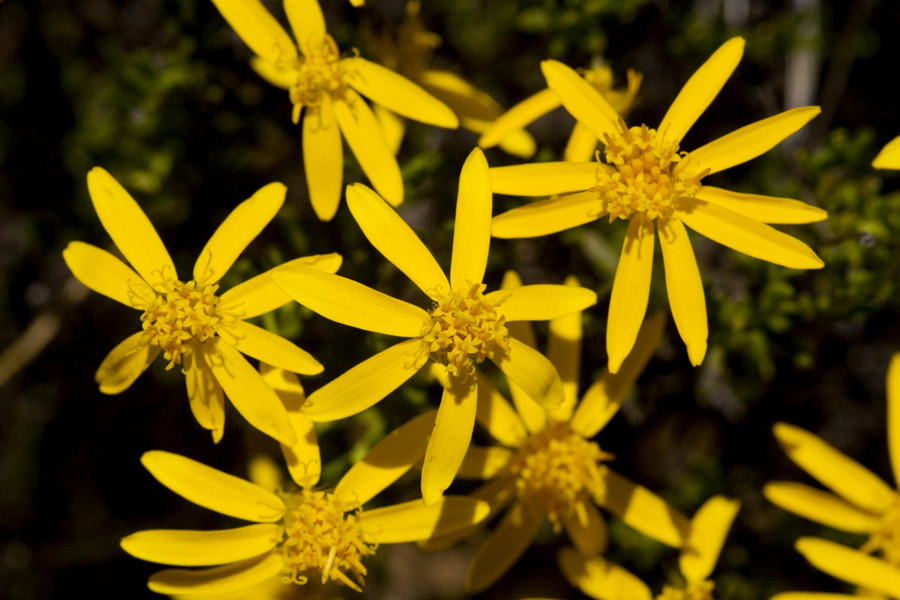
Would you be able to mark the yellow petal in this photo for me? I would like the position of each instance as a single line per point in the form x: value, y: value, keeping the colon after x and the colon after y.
x: 531, y: 371
x: 496, y: 415
x: 851, y: 565
x: 532, y: 414
x: 748, y: 236
x: 766, y: 209
x: 388, y: 460
x: 218, y: 580
x: 186, y: 548
x: 278, y: 74
x: 833, y: 469
x: 820, y: 506
x: 350, y: 303
x: 247, y: 391
x: 393, y: 126
x: 395, y: 239
x: 213, y: 489
x: 130, y: 229
x: 484, y: 462
x: 889, y: 157
x: 581, y: 145
x: 472, y: 228
x: 308, y: 23
x: 397, y: 93
x: 450, y: 438
x: 564, y: 351
x: 107, y: 275
x: 709, y: 528
x: 685, y: 288
x: 644, y: 511
x: 367, y: 142
x: 700, y: 90
x: 893, y: 413
x: 258, y: 28
x: 543, y: 179
x: 270, y: 347
x: 586, y: 528
x: 601, y: 579
x: 504, y: 546
x: 323, y: 158
x: 581, y: 99
x: 542, y: 302
x: 630, y: 292
x: 365, y: 384
x: 548, y: 216
x: 524, y: 113
x: 462, y: 97
x: 125, y: 363
x: 239, y: 229
x: 414, y: 521
x: 206, y: 396
x: 750, y: 141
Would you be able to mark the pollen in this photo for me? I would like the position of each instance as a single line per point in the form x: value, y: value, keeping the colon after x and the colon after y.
x: 322, y: 537
x: 319, y: 72
x: 463, y: 329
x: 178, y: 318
x: 886, y: 539
x: 557, y: 469
x: 647, y: 176
x: 697, y: 590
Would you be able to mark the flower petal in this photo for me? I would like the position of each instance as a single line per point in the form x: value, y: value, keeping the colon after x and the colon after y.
x: 484, y: 462
x: 367, y: 142
x: 413, y: 521
x: 393, y: 126
x: 239, y: 229
x: 893, y: 414
x: 833, y: 469
x: 532, y: 414
x: 205, y: 394
x: 601, y: 579
x: 542, y: 302
x: 397, y: 93
x: 581, y: 99
x: 270, y: 347
x: 449, y: 439
x: 258, y: 28
x: 130, y: 229
x: 186, y: 548
x: 396, y: 240
x: 308, y: 23
x: 213, y: 489
x: 524, y: 113
x: 323, y: 158
x: 218, y: 580
x: 644, y: 511
x: 496, y: 415
x: 125, y: 363
x: 630, y: 292
x: 750, y: 141
x: 820, y: 506
x: 542, y: 179
x: 889, y: 157
x: 107, y: 275
x: 685, y: 288
x: 472, y: 228
x: 504, y: 546
x: 709, y: 528
x: 365, y: 384
x: 531, y: 371
x: 851, y: 565
x: 766, y: 209
x: 582, y: 144
x: 462, y: 97
x: 564, y: 351
x: 700, y: 90
x: 586, y: 528
x: 747, y: 236
x: 278, y: 74
x: 548, y: 216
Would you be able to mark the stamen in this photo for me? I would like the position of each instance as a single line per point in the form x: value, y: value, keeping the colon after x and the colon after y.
x: 180, y: 318
x: 318, y: 73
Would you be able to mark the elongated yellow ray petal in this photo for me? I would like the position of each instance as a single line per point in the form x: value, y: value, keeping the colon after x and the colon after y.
x: 644, y: 511
x: 367, y: 142
x: 449, y: 439
x: 532, y: 414
x: 472, y: 228
x: 278, y: 74
x: 581, y: 99
x: 748, y: 236
x: 186, y: 548
x: 893, y: 414
x: 750, y: 141
x: 630, y: 292
x: 351, y: 303
x: 531, y: 371
x: 504, y: 546
x: 205, y: 394
x: 601, y: 579
x: 851, y: 565
x: 548, y: 216
x: 218, y: 580
x: 525, y: 112
x: 239, y: 229
x: 700, y: 90
x: 586, y: 528
x: 125, y: 363
x: 323, y: 158
x: 543, y: 302
x: 820, y: 506
x: 365, y: 384
x: 766, y: 209
x: 833, y: 469
x: 709, y: 528
x: 564, y: 351
x: 130, y: 229
x: 105, y: 274
x: 542, y: 179
x: 388, y: 460
x: 258, y: 28
x: 497, y: 493
x: 213, y: 489
x: 308, y: 23
x: 484, y: 462
x: 395, y: 239
x: 581, y: 145
x: 463, y: 98
x: 496, y: 415
x: 685, y: 288
x: 889, y: 157
x: 270, y: 347
x: 413, y: 521
x: 393, y: 126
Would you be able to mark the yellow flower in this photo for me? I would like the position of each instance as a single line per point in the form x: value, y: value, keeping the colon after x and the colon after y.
x: 862, y: 502
x: 325, y: 89
x: 649, y: 181
x: 297, y: 533
x: 607, y: 581
x: 463, y: 327
x: 582, y: 142
x: 889, y: 157
x: 190, y: 323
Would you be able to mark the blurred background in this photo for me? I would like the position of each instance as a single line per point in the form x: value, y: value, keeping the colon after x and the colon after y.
x: 160, y: 93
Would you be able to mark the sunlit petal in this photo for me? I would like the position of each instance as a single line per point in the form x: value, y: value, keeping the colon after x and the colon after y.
x: 186, y: 548
x: 258, y: 28
x: 630, y: 292
x: 531, y: 371
x: 270, y: 348
x: 504, y: 546
x: 583, y: 102
x: 308, y: 23
x: 889, y: 157
x: 766, y: 209
x: 543, y: 179
x: 218, y: 580
x: 323, y: 158
x: 472, y: 228
x: 414, y: 521
x: 548, y: 216
x: 685, y: 288
x: 277, y: 74
x: 581, y: 145
x: 105, y: 274
x: 709, y: 528
x: 542, y: 302
x: 205, y: 394
x: 532, y: 414
x: 524, y: 113
x: 125, y: 363
x: 450, y: 438
x: 820, y: 506
x: 600, y: 579
x: 850, y: 565
x: 564, y: 351
x: 893, y: 414
x: 644, y: 511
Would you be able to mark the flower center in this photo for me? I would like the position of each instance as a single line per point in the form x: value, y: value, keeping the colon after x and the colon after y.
x: 886, y: 539
x: 644, y: 178
x: 318, y: 73
x: 698, y: 590
x: 557, y: 468
x: 183, y: 315
x: 463, y: 329
x: 321, y: 535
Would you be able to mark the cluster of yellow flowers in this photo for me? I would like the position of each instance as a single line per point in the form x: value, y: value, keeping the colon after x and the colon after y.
x: 545, y: 463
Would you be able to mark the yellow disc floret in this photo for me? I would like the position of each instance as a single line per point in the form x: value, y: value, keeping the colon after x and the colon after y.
x: 322, y: 536
x: 178, y: 318
x: 319, y: 72
x: 697, y: 590
x: 886, y: 539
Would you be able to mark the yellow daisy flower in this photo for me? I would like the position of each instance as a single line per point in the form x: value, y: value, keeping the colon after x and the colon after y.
x: 325, y: 90
x: 464, y: 326
x: 889, y: 157
x: 603, y: 580
x: 582, y: 142
x: 190, y: 323
x: 296, y: 533
x: 862, y: 502
x: 649, y: 181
